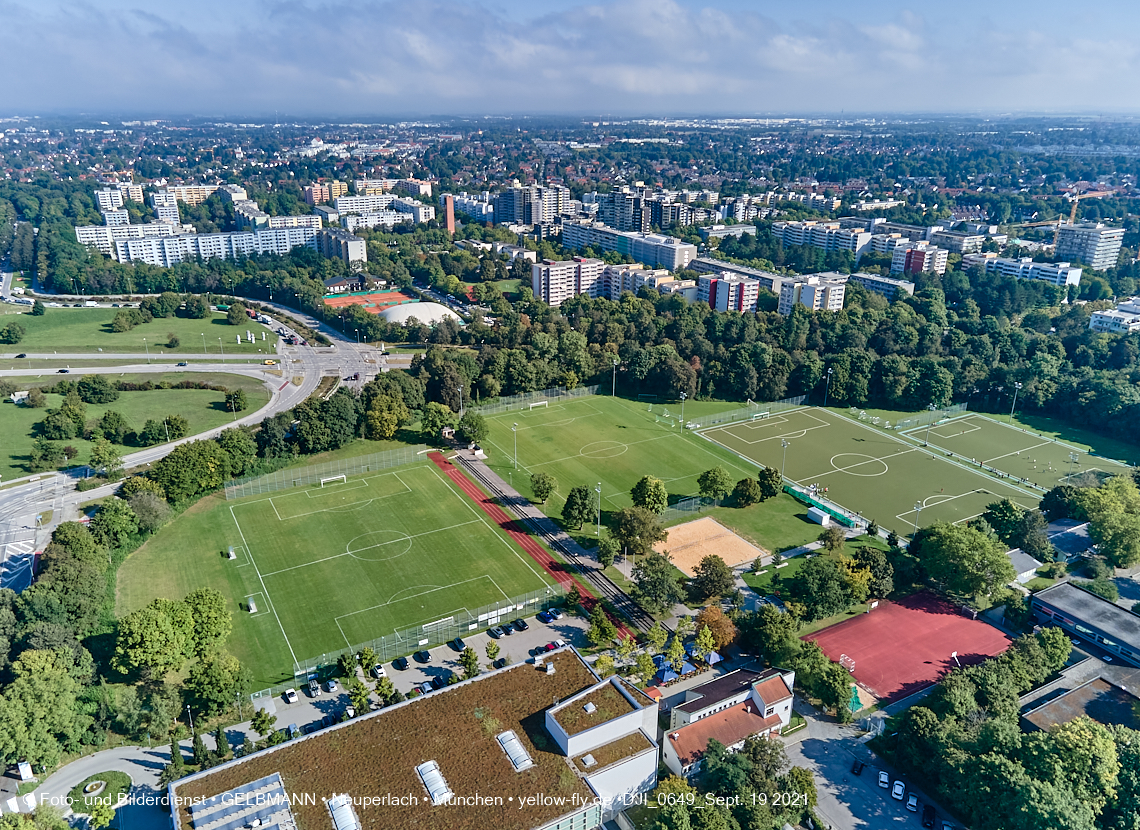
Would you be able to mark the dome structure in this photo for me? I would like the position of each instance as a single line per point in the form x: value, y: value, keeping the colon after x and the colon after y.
x: 427, y: 313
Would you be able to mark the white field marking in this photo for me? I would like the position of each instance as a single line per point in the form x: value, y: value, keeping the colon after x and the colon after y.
x: 265, y: 605
x: 798, y: 433
x: 935, y: 431
x: 870, y: 460
x: 268, y: 599
x: 240, y: 552
x: 356, y: 505
x: 1016, y: 452
x: 322, y: 492
x: 579, y: 453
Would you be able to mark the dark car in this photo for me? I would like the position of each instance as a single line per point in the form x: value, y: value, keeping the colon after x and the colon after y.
x: 458, y: 644
x: 857, y: 767
x: 182, y: 363
x: 928, y: 815
x: 496, y: 632
x: 62, y: 371
x: 543, y: 617
x: 507, y: 628
x: 21, y: 354
x: 314, y: 688
x: 498, y: 664
x: 520, y: 625
x: 422, y: 656
x: 400, y: 663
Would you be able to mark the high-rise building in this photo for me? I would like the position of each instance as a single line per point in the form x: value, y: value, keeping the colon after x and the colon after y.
x: 316, y: 194
x: 655, y: 250
x: 363, y: 204
x: 535, y: 205
x: 104, y: 237
x: 887, y: 286
x: 829, y: 236
x: 1055, y: 273
x: 233, y: 193
x: 729, y: 292
x: 116, y: 217
x: 818, y: 292
x: 168, y: 213
x: 108, y: 199
x: 918, y: 257
x: 165, y: 251
x: 449, y: 213
x: 1091, y: 243
x: 555, y: 282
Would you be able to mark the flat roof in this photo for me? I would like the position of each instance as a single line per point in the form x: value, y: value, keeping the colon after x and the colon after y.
x: 721, y: 688
x: 599, y: 706
x: 1117, y: 623
x: 457, y: 727
x: 1098, y: 699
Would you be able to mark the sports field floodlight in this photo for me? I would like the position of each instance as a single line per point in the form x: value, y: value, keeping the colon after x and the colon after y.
x: 221, y: 349
x: 460, y: 390
x: 785, y: 443
x: 1072, y: 460
x: 929, y: 424
x: 514, y: 430
x: 613, y: 383
x: 683, y: 396
x: 1016, y: 389
x: 598, y: 490
x: 827, y: 387
x: 917, y: 513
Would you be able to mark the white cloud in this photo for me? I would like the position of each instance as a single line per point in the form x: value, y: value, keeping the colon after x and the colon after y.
x: 337, y: 57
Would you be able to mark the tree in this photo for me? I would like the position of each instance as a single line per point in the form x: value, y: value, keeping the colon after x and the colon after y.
x: 215, y: 681
x: 385, y: 689
x: 106, y: 459
x: 656, y: 636
x: 1101, y: 587
x: 705, y: 644
x: 236, y: 315
x: 882, y: 572
x: 712, y: 577
x: 101, y: 814
x: 602, y: 631
x: 965, y: 560
x: 469, y: 662
x: 38, y: 308
x: 12, y: 333
x: 721, y: 627
x: 675, y: 654
x: 650, y: 494
x: 45, y: 455
x: 177, y: 762
x: 714, y: 484
x: 771, y: 483
x: 833, y: 538
x: 239, y: 446
x: 222, y: 749
x: 368, y: 659
x: 113, y: 426
x: 191, y: 469
x: 236, y: 401
x: 637, y: 530
x: 608, y: 549
x: 579, y: 506
x: 543, y: 486
x: 625, y: 648
x: 746, y: 492
x: 96, y: 389
x: 821, y: 587
x: 604, y: 665
x: 196, y: 307
x: 436, y: 417
x: 39, y: 714
x: 211, y: 619
x: 114, y: 522
x: 492, y: 650
x: 655, y: 583
x: 472, y: 428
x: 199, y: 752
x: 262, y: 722
x: 358, y: 695
x: 645, y: 667
x: 148, y: 640
x: 1005, y: 518
x: 1117, y: 535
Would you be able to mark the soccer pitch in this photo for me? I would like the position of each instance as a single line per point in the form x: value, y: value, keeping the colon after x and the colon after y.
x: 1022, y: 454
x: 334, y: 566
x: 867, y: 470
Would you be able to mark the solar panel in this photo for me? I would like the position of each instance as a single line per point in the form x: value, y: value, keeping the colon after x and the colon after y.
x: 436, y: 785
x: 517, y: 753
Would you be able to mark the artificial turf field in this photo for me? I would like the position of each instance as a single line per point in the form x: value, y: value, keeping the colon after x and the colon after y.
x: 332, y: 567
x: 867, y: 470
x: 1039, y: 459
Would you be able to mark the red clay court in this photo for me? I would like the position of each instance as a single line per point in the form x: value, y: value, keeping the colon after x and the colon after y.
x: 902, y: 647
x: 374, y: 302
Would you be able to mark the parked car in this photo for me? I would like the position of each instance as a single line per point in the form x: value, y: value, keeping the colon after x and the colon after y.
x: 425, y: 687
x: 314, y: 688
x: 458, y: 644
x: 496, y: 632
x: 520, y: 625
x: 554, y: 645
x: 947, y: 826
x: 556, y: 613
x: 928, y: 815
x: 507, y: 628
x: 378, y: 671
x: 400, y: 663
x: 857, y: 767
x: 912, y: 802
x: 331, y: 686
x: 544, y: 617
x: 422, y: 656
x: 290, y: 695
x: 884, y: 779
x: 898, y: 791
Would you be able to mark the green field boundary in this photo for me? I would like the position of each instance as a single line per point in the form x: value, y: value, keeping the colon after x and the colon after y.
x: 289, y: 478
x: 840, y: 514
x: 526, y: 400
x: 746, y: 413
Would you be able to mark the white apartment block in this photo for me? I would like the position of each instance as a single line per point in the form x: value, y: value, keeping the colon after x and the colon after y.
x: 163, y: 198
x: 479, y: 207
x: 116, y: 217
x: 105, y: 237
x: 649, y: 249
x: 728, y: 292
x: 1091, y: 243
x: 707, y: 265
x: 885, y: 243
x: 247, y: 214
x: 1055, y: 273
x: 621, y: 278
x: 414, y: 187
x: 887, y: 286
x: 877, y: 204
x: 193, y: 194
x: 958, y: 243
x: 127, y: 190
x: 363, y: 204
x: 108, y: 199
x: 361, y: 186
x: 307, y: 221
x: 234, y: 193
x: 830, y: 236
x: 418, y: 210
x: 165, y: 251
x: 168, y: 213
x: 1124, y: 319
x: 817, y: 292
x: 555, y: 282
x: 379, y: 219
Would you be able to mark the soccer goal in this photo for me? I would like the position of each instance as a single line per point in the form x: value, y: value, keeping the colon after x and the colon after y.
x: 847, y: 663
x: 760, y: 416
x: 340, y: 479
x: 537, y: 404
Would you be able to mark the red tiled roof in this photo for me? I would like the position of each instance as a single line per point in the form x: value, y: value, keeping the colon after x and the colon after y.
x: 730, y: 727
x: 772, y: 690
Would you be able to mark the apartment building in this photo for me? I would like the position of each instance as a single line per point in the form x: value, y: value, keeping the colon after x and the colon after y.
x: 618, y: 279
x: 340, y: 244
x: 168, y: 213
x: 234, y: 193
x: 380, y: 219
x: 708, y: 265
x: 105, y: 237
x: 817, y: 292
x: 721, y: 231
x: 193, y: 194
x: 479, y: 207
x: 919, y: 257
x: 418, y: 210
x: 889, y: 287
x: 1091, y: 243
x: 368, y: 187
x: 127, y: 190
x: 414, y: 187
x: 534, y: 205
x: 654, y: 250
x: 165, y: 251
x: 957, y: 242
x: 363, y: 204
x: 307, y: 221
x: 554, y: 282
x: 108, y: 199
x: 728, y: 292
x: 247, y: 214
x: 1055, y: 273
x: 117, y: 216
x: 163, y: 198
x: 1124, y: 319
x: 316, y: 194
x: 830, y: 236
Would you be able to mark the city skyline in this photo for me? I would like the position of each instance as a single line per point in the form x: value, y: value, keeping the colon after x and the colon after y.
x: 329, y: 58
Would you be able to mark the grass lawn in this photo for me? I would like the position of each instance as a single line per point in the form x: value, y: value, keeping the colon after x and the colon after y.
x: 1082, y: 438
x: 88, y: 330
x: 761, y: 582
x: 1040, y: 583
x: 615, y: 441
x: 328, y: 568
x: 203, y: 408
x: 867, y: 470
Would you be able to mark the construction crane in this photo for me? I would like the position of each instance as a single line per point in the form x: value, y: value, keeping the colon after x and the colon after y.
x: 1072, y: 216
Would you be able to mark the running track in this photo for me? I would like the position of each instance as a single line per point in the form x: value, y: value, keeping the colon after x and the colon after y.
x: 521, y: 538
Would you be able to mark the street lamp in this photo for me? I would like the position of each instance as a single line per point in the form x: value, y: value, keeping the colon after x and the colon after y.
x: 221, y: 348
x: 827, y: 387
x: 460, y: 389
x: 203, y: 343
x: 929, y: 424
x: 514, y: 431
x: 683, y: 396
x: 357, y: 337
x: 1016, y: 389
x: 190, y: 717
x: 783, y: 464
x: 613, y: 383
x: 598, y: 490
x: 145, y: 346
x: 917, y: 513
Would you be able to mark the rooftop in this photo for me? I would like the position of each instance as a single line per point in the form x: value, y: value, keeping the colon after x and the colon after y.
x: 1099, y: 699
x: 458, y: 728
x: 602, y: 704
x: 731, y: 726
x: 1115, y: 622
x: 721, y: 688
x: 625, y: 747
x: 1022, y: 562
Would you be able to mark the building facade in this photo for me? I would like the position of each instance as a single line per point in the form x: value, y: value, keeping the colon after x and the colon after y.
x: 554, y: 282
x: 817, y: 292
x: 1091, y: 243
x: 1055, y: 273
x: 654, y: 250
x: 889, y: 287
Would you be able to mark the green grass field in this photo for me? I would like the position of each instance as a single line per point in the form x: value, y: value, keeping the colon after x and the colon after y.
x: 203, y: 408
x: 867, y: 470
x: 335, y: 566
x: 88, y: 330
x: 614, y: 441
x: 1038, y: 458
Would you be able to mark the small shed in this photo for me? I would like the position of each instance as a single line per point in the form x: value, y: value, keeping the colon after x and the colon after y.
x: 1024, y: 565
x: 448, y: 433
x: 820, y: 517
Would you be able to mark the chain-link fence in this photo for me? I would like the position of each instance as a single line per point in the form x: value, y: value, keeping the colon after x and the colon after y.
x: 686, y: 507
x: 924, y: 418
x: 525, y: 400
x: 408, y: 640
x: 751, y: 412
x: 301, y: 476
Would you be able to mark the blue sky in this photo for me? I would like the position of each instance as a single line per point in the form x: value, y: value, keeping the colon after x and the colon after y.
x: 635, y: 57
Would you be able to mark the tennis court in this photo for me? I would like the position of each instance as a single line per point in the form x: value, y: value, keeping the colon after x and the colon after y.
x: 882, y: 477
x: 1024, y: 455
x: 902, y: 647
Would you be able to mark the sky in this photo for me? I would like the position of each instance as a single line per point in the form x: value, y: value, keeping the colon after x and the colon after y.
x: 341, y: 58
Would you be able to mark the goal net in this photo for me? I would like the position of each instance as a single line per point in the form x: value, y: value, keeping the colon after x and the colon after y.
x: 340, y: 479
x: 847, y: 662
x: 537, y: 404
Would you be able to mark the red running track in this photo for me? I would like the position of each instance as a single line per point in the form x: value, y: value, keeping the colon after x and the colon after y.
x: 902, y: 647
x: 523, y: 539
